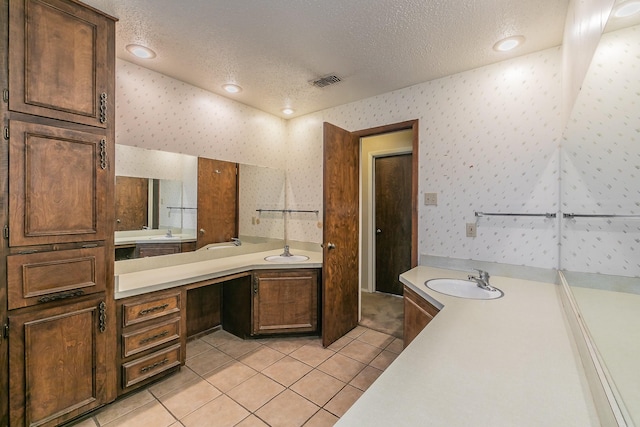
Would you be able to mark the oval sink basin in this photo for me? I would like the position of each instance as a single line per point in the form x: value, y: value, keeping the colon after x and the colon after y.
x: 164, y: 238
x: 292, y: 258
x: 210, y: 248
x: 462, y: 289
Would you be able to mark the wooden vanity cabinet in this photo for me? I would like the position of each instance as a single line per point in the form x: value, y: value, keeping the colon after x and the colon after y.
x: 418, y: 312
x: 285, y: 301
x: 151, y: 338
x: 57, y: 176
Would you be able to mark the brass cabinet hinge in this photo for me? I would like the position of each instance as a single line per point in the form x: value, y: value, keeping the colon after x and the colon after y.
x: 6, y: 133
x: 255, y: 284
x: 5, y: 331
x: 5, y: 233
x: 5, y: 95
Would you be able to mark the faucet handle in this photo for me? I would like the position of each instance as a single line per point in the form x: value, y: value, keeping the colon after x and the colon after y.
x: 484, y: 275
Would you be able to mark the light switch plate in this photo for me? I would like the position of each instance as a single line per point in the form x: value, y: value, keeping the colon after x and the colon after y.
x: 431, y: 199
x: 472, y: 230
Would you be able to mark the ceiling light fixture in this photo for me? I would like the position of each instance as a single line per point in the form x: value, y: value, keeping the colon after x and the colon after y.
x: 508, y: 44
x: 627, y: 8
x: 287, y: 111
x: 141, y: 52
x: 232, y: 88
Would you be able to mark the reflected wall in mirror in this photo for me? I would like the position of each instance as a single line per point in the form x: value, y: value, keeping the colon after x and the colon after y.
x: 601, y: 175
x: 176, y: 176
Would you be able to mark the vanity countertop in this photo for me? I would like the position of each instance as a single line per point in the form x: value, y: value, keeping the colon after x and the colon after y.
x: 504, y: 362
x: 140, y: 276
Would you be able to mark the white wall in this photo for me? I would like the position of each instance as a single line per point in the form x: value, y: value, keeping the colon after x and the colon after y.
x: 488, y: 142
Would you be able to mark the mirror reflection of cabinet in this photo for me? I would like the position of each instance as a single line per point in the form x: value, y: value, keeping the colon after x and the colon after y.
x: 132, y: 203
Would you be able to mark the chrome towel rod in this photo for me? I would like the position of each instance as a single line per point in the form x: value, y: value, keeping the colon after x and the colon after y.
x: 179, y: 207
x: 286, y: 211
x: 546, y: 215
x: 572, y: 215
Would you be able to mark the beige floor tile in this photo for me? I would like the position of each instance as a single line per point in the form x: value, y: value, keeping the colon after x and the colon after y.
x: 195, y: 347
x: 151, y: 414
x: 312, y: 354
x: 261, y: 358
x: 383, y: 360
x: 255, y: 392
x: 124, y: 406
x: 341, y: 367
x: 89, y: 422
x: 356, y: 332
x: 219, y: 337
x: 360, y: 351
x: 208, y: 361
x: 236, y: 349
x: 396, y: 346
x: 365, y: 378
x: 220, y: 412
x: 287, y: 371
x: 230, y: 375
x: 252, y: 421
x: 322, y: 418
x: 287, y: 410
x: 375, y: 338
x: 286, y: 345
x: 318, y: 387
x: 177, y: 424
x: 188, y: 398
x: 173, y: 382
x: 340, y: 343
x: 342, y: 401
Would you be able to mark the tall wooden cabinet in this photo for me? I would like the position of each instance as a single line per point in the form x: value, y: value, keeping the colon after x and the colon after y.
x: 57, y: 301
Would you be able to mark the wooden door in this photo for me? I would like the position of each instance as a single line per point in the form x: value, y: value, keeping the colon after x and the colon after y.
x: 392, y: 221
x: 217, y: 201
x: 57, y: 364
x: 132, y: 203
x: 59, y: 63
x: 58, y: 181
x: 340, y: 285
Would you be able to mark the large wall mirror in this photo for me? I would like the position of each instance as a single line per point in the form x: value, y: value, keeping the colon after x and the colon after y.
x: 600, y: 183
x: 158, y: 191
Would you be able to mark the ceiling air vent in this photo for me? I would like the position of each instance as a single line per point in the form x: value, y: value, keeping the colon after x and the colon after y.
x: 326, y: 81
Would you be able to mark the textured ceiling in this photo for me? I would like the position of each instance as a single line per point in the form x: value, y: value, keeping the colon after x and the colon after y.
x: 274, y: 48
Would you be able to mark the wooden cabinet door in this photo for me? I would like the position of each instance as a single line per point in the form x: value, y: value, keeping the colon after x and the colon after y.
x: 285, y: 302
x: 57, y: 185
x: 59, y: 63
x: 132, y: 203
x: 418, y: 312
x: 57, y: 363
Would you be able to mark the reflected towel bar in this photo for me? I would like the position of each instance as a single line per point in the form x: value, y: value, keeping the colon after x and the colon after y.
x: 546, y: 215
x: 286, y: 211
x: 572, y: 215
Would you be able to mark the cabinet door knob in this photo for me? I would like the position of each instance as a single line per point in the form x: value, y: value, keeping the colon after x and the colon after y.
x: 330, y: 246
x: 378, y: 231
x: 202, y: 231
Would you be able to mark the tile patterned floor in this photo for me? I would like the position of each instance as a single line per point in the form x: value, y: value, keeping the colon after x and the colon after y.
x: 279, y: 382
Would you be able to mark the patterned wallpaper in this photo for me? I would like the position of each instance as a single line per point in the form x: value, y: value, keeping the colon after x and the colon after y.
x: 601, y: 162
x: 488, y: 142
x: 261, y: 188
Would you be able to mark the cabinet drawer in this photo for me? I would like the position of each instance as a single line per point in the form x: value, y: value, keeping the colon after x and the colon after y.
x: 133, y: 313
x: 144, y: 339
x: 146, y: 367
x: 48, y: 276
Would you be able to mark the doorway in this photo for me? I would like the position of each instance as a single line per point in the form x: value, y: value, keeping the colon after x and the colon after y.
x: 342, y: 273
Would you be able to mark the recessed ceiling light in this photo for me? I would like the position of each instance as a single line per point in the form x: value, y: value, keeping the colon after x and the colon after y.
x: 232, y: 88
x: 627, y: 8
x: 141, y: 51
x: 287, y: 111
x: 508, y: 44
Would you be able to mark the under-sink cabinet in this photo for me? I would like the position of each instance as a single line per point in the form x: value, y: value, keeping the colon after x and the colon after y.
x: 418, y: 312
x: 285, y: 301
x: 150, y: 332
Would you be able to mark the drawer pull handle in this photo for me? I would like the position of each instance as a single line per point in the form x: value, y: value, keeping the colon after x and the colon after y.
x: 56, y: 297
x: 103, y: 107
x: 152, y: 309
x: 155, y: 365
x: 102, y: 316
x: 154, y: 337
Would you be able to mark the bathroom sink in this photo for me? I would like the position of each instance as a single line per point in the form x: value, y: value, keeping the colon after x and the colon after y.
x: 290, y: 258
x: 462, y: 289
x: 221, y: 247
x: 161, y: 238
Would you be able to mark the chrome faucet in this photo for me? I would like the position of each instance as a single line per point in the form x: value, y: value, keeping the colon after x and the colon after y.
x: 236, y: 241
x: 286, y: 251
x: 482, y: 280
x: 169, y: 234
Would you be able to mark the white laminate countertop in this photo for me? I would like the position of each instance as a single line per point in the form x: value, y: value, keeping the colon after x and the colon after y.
x: 135, y: 277
x: 505, y: 362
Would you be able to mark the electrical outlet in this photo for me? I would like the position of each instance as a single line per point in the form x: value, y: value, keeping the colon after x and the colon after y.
x: 471, y: 229
x: 431, y: 199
